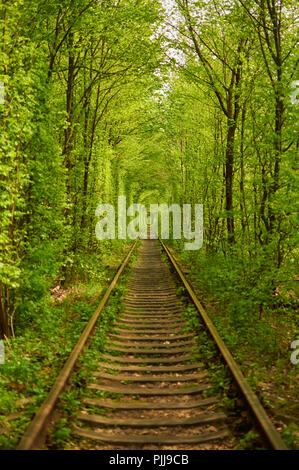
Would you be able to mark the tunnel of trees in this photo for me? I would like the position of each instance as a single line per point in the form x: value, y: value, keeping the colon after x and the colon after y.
x: 178, y: 101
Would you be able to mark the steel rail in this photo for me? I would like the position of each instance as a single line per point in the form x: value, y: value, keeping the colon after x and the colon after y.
x: 35, y: 429
x: 265, y: 425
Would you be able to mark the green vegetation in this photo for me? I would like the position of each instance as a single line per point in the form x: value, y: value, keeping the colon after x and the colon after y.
x: 178, y: 101
x: 35, y: 357
x: 77, y: 76
x: 69, y: 404
x: 34, y: 360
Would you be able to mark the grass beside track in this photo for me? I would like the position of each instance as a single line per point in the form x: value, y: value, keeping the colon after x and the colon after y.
x: 35, y: 356
x: 259, y: 343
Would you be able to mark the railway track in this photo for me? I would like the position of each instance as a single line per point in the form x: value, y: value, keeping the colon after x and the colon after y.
x: 159, y: 393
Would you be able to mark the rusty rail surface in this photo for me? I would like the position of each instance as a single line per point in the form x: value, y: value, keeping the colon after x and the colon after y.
x: 149, y: 342
x: 35, y: 429
x: 269, y: 432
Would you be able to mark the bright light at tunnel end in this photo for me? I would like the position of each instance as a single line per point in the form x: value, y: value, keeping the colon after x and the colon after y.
x: 151, y: 224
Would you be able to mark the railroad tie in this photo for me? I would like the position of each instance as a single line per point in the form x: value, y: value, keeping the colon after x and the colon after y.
x: 150, y: 389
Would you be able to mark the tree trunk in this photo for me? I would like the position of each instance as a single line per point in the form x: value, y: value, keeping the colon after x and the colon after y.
x: 4, y: 329
x: 229, y: 176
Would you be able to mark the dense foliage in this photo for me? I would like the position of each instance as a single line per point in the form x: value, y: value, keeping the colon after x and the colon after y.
x: 193, y: 103
x: 75, y: 73
x: 163, y: 101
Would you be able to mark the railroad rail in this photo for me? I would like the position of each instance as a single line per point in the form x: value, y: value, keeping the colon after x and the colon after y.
x: 159, y: 391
